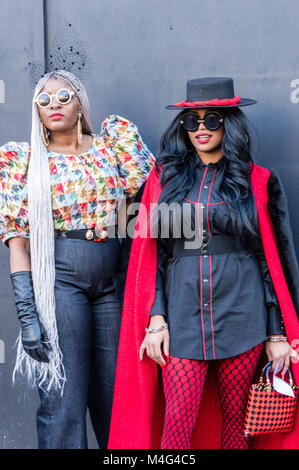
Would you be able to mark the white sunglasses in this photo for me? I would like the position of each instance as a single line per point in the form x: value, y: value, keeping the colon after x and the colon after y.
x: 63, y: 96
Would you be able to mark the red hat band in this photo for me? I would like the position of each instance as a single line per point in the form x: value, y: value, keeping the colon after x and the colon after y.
x: 214, y: 102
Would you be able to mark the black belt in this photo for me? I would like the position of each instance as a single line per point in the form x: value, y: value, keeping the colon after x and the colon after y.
x: 219, y: 243
x: 90, y: 234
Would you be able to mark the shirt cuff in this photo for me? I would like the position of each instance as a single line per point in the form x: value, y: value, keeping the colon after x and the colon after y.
x: 5, y: 237
x: 159, y: 305
x: 275, y: 322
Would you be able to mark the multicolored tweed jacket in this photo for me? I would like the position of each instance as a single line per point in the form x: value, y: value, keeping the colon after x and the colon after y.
x: 85, y: 188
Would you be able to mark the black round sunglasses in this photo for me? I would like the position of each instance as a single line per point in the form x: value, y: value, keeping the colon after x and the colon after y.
x: 212, y: 121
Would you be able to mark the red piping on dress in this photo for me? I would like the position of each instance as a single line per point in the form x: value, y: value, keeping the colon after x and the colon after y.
x: 203, y: 329
x: 210, y: 204
x: 193, y: 202
x: 209, y: 200
x: 202, y: 324
x: 210, y: 259
x: 198, y: 199
x: 214, y: 203
x: 211, y: 308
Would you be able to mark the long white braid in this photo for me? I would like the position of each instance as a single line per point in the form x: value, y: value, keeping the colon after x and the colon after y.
x: 41, y: 230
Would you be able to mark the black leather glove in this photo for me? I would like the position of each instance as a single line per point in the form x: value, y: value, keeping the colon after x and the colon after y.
x: 34, y: 336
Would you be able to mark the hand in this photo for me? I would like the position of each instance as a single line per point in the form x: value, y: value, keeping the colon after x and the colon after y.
x: 280, y: 350
x: 35, y: 340
x: 34, y: 337
x: 154, y: 342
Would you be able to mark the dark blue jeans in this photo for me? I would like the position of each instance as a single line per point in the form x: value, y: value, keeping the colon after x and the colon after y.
x: 88, y: 317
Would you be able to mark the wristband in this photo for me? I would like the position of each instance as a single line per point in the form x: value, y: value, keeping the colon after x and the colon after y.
x: 275, y: 339
x: 157, y: 330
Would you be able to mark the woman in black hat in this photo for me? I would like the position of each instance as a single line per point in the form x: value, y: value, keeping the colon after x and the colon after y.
x: 214, y: 301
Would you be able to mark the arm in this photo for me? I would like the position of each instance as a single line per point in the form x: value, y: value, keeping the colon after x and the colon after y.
x: 154, y: 342
x: 34, y: 337
x: 280, y: 350
x: 159, y: 308
x: 19, y: 254
x: 134, y: 158
x: 275, y: 324
x: 14, y: 158
x: 278, y: 210
x: 14, y: 226
x: 14, y: 233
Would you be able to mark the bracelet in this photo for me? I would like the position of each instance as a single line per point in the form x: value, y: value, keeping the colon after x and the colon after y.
x: 276, y: 338
x: 156, y: 330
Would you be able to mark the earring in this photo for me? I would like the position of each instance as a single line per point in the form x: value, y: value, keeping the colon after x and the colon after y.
x: 79, y: 129
x: 44, y: 134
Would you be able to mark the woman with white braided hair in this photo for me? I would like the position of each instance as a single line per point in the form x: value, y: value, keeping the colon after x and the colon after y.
x: 58, y: 212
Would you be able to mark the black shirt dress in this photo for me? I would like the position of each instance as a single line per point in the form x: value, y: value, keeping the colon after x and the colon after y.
x: 217, y: 305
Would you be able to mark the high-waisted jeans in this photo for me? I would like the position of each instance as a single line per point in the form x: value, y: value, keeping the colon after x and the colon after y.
x: 88, y: 314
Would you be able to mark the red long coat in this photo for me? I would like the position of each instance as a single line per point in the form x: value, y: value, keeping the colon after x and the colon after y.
x: 138, y: 408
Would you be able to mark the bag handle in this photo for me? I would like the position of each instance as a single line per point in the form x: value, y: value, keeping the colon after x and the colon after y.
x: 289, y: 372
x: 268, y: 385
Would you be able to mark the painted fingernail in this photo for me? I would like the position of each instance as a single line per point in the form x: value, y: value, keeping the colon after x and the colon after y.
x: 163, y: 365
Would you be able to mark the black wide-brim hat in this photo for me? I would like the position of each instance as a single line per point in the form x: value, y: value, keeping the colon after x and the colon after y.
x: 214, y: 92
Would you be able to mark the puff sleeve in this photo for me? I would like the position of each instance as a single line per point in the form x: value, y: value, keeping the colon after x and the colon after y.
x: 134, y: 159
x: 14, y: 159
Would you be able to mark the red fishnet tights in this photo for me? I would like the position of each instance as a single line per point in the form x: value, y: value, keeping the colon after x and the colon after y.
x: 183, y: 381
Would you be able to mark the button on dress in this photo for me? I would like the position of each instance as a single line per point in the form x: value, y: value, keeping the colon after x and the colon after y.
x: 217, y: 305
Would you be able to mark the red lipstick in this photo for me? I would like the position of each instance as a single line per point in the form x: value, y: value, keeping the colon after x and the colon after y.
x: 56, y: 116
x: 203, y: 137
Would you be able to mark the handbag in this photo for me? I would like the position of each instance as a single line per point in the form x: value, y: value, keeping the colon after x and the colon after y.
x: 268, y: 410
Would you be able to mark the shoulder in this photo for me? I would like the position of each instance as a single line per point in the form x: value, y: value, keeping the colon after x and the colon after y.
x: 116, y: 126
x: 14, y: 159
x: 13, y: 146
x: 14, y: 152
x: 274, y: 185
x: 268, y: 177
x: 259, y: 170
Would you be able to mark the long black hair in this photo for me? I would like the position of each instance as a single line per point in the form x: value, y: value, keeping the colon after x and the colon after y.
x: 177, y: 159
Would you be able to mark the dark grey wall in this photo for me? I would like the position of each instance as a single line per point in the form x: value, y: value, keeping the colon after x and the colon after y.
x: 143, y: 52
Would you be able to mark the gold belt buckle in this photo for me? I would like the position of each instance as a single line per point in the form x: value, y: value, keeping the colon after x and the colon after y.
x: 89, y: 235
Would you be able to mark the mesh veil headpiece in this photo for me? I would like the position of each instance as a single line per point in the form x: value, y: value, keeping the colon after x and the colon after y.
x: 67, y: 52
